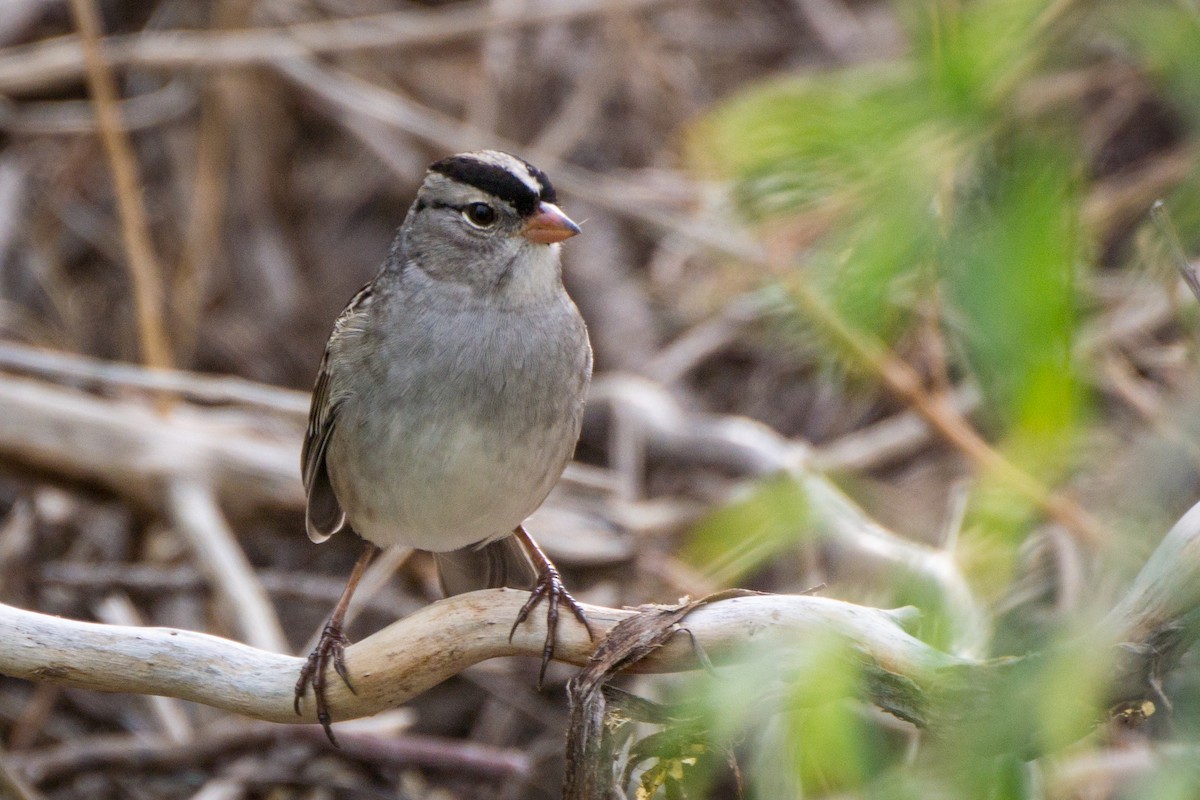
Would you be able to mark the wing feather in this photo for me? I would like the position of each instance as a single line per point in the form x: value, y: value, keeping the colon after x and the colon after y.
x: 324, y: 515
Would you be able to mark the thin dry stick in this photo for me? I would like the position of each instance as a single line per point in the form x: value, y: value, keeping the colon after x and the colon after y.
x: 36, y: 66
x: 889, y: 439
x: 1166, y: 229
x: 1123, y: 198
x: 71, y: 117
x: 945, y: 418
x: 13, y: 786
x: 198, y: 518
x: 202, y: 231
x: 135, y: 232
x: 62, y: 367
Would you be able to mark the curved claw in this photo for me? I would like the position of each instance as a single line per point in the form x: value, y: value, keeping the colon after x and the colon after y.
x: 550, y: 585
x: 331, y: 648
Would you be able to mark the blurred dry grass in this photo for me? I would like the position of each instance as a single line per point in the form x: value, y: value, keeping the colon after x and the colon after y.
x: 278, y: 143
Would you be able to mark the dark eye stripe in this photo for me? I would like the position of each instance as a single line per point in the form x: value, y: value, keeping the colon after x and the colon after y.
x: 460, y: 208
x: 439, y: 204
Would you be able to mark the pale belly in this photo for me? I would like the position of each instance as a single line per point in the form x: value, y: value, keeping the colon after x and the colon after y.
x: 442, y: 487
x: 474, y: 412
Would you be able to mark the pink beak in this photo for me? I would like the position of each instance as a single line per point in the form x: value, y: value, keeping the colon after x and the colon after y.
x: 549, y: 225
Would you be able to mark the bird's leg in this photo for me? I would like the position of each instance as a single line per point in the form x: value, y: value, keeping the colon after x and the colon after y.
x: 331, y: 648
x: 549, y: 585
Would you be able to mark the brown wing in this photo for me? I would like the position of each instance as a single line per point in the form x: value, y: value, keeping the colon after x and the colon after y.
x: 324, y: 515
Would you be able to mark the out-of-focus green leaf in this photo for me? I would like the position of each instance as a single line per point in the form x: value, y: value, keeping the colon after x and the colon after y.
x: 1070, y: 687
x: 799, y: 143
x: 925, y: 187
x: 1009, y: 267
x: 863, y: 152
x: 796, y: 711
x: 970, y: 54
x: 1174, y: 779
x: 740, y: 537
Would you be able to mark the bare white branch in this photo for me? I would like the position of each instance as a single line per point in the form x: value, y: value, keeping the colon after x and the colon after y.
x: 420, y: 651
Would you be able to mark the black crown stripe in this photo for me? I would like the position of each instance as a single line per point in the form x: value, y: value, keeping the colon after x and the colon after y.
x: 498, y: 181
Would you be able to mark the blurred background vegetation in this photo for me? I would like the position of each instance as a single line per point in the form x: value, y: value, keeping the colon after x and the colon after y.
x: 913, y: 238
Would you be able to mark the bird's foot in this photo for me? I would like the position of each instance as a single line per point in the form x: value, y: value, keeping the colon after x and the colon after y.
x: 550, y: 586
x: 330, y: 649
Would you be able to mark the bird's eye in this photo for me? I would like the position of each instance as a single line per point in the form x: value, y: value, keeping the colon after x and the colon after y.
x: 480, y: 214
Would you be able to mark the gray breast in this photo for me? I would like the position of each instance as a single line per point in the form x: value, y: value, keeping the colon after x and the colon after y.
x: 460, y: 421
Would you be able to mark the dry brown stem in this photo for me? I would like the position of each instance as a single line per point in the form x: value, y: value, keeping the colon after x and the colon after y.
x: 75, y: 369
x: 939, y: 411
x: 196, y: 515
x: 47, y: 63
x: 369, y: 742
x: 135, y: 231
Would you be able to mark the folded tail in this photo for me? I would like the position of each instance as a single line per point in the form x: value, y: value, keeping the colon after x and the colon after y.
x: 496, y: 564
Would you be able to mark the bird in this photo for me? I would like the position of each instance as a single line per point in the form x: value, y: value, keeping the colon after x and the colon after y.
x: 450, y: 396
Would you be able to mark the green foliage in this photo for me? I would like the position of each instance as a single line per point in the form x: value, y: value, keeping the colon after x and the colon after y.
x: 668, y: 772
x: 970, y: 54
x: 928, y: 182
x: 919, y: 188
x: 1175, y: 780
x: 772, y: 519
x: 1009, y: 260
x: 862, y: 153
x: 793, y: 713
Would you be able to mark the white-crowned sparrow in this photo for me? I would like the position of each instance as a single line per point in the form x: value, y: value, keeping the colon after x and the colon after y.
x: 451, y: 393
